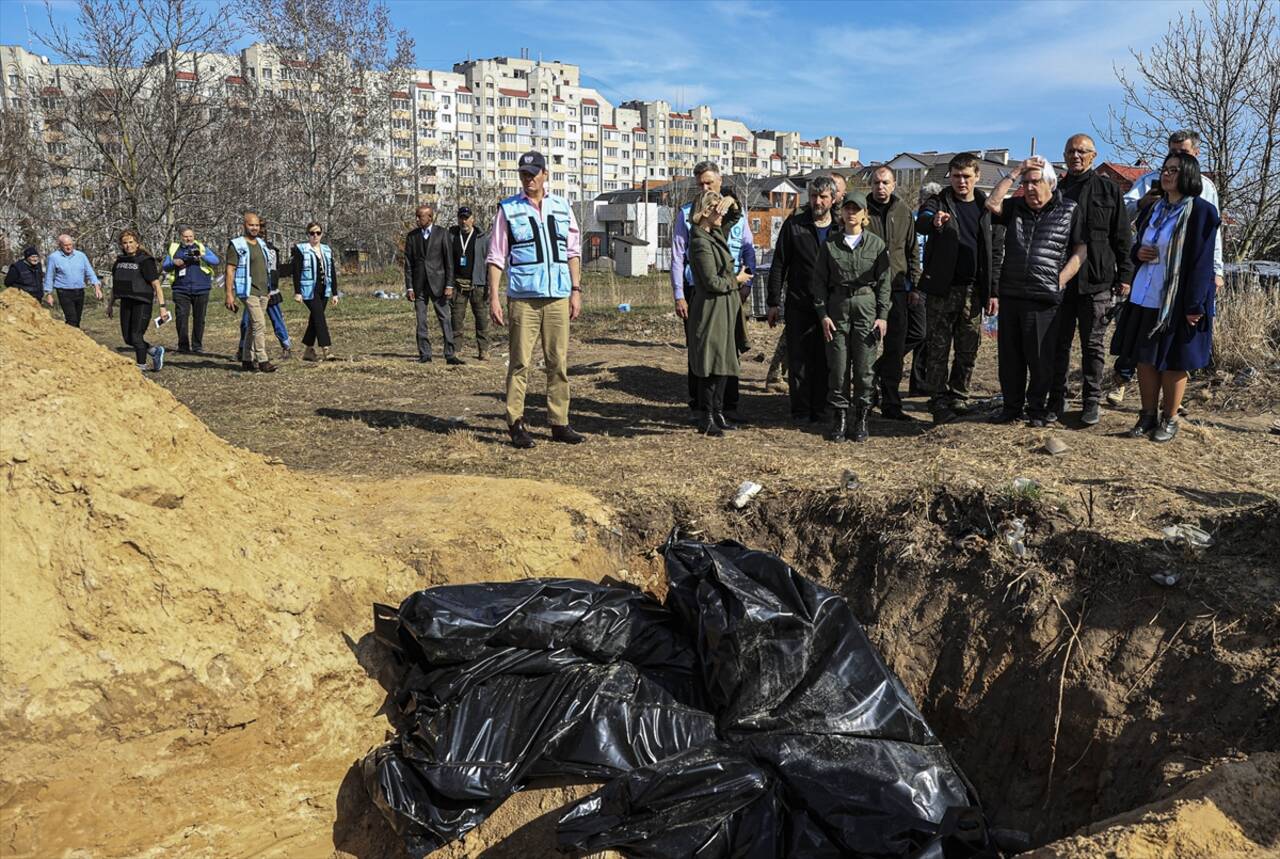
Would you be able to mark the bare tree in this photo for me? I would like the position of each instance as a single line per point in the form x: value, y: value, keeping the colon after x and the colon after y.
x: 25, y: 210
x: 342, y: 61
x: 139, y: 99
x: 1217, y: 72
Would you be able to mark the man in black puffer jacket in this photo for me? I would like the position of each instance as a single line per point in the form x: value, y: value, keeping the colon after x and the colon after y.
x: 1044, y: 248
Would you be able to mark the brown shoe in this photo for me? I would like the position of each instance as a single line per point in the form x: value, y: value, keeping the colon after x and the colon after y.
x: 567, y: 435
x: 309, y: 354
x: 266, y: 367
x: 520, y: 437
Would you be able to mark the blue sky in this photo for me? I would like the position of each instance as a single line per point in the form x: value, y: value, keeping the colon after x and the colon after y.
x: 885, y: 76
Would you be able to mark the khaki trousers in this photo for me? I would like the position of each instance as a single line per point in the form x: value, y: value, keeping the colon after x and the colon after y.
x: 528, y: 321
x: 255, y: 345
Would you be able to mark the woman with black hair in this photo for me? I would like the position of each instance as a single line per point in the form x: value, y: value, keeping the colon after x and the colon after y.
x: 135, y: 283
x: 315, y: 283
x: 1166, y: 327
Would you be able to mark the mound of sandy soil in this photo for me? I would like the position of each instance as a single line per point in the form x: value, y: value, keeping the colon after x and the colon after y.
x: 1227, y: 812
x: 181, y: 620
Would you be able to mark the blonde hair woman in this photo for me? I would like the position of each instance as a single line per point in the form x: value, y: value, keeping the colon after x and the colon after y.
x: 714, y: 308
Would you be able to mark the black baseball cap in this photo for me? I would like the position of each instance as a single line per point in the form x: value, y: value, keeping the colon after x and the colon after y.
x: 464, y: 211
x: 532, y: 162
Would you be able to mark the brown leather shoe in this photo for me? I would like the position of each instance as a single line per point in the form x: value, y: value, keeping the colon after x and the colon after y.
x: 520, y: 437
x: 266, y: 367
x: 567, y: 434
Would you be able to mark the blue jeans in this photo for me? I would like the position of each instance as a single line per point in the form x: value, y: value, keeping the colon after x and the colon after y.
x: 276, y: 315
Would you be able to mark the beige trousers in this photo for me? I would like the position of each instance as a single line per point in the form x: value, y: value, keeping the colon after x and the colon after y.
x: 255, y: 345
x: 528, y: 321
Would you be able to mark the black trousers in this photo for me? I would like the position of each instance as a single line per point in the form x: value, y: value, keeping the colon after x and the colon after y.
x: 134, y: 318
x: 1025, y: 342
x: 712, y: 391
x: 317, y: 326
x: 905, y: 334
x: 1086, y: 314
x: 72, y: 303
x: 730, y: 400
x: 191, y: 306
x: 806, y: 360
x: 423, y: 306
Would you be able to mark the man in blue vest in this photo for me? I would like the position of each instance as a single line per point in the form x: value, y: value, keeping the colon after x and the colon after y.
x: 707, y: 175
x: 188, y: 267
x: 535, y: 238
x: 248, y: 278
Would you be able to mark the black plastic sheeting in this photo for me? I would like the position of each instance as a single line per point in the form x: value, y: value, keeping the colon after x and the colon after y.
x: 746, y: 717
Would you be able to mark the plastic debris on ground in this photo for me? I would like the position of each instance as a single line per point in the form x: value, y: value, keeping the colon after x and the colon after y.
x: 1013, y: 532
x: 747, y: 716
x: 1187, y: 535
x: 748, y: 490
x: 1166, y: 578
x: 849, y: 480
x: 1055, y: 446
x: 1024, y: 484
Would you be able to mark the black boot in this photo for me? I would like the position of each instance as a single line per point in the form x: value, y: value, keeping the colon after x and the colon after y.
x: 706, y: 408
x: 717, y: 403
x: 858, y: 429
x: 838, y: 425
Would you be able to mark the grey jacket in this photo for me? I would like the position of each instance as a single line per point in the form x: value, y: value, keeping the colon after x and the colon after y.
x: 481, y: 276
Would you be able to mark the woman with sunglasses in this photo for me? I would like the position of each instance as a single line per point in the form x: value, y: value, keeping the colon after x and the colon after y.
x: 1166, y: 327
x: 315, y: 283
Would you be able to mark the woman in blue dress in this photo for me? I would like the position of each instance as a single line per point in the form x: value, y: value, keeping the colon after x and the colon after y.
x: 1166, y: 326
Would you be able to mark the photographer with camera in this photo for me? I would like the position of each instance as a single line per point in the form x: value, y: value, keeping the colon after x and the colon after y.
x: 188, y: 268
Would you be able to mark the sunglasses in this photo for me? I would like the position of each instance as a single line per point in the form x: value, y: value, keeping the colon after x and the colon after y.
x: 313, y: 232
x: 1169, y: 171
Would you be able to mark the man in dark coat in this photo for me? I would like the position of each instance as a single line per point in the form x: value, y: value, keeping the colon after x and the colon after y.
x: 891, y: 220
x: 27, y: 274
x: 961, y: 276
x: 794, y: 255
x: 1107, y: 271
x: 428, y: 282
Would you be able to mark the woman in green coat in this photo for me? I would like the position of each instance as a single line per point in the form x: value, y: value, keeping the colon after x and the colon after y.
x: 714, y: 308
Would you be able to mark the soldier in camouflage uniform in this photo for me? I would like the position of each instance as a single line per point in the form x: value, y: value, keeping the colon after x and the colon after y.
x: 851, y: 295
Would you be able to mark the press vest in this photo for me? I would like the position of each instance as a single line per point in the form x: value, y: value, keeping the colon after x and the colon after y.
x: 127, y: 280
x: 734, y: 239
x: 1036, y: 248
x: 538, y: 251
x: 307, y: 277
x: 171, y: 277
x: 244, y: 282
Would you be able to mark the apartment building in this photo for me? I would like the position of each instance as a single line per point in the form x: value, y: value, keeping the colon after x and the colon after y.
x: 467, y: 126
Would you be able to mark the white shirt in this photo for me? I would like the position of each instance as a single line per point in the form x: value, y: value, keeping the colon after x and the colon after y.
x: 853, y: 241
x: 1209, y: 193
x: 426, y: 233
x: 1148, y: 283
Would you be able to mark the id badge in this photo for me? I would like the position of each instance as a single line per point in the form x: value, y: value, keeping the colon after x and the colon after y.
x: 463, y: 264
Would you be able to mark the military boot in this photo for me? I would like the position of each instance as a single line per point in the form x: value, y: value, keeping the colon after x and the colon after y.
x: 838, y: 425
x: 858, y: 429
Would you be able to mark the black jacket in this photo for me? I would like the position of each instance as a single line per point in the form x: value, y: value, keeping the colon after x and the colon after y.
x: 468, y: 271
x: 1106, y: 231
x: 943, y: 247
x: 894, y: 225
x: 428, y: 264
x: 794, y: 256
x: 26, y: 277
x: 1036, y: 247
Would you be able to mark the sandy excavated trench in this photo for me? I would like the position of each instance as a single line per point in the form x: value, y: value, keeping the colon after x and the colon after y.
x: 183, y: 643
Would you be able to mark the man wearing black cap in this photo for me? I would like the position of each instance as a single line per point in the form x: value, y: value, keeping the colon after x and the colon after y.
x: 535, y: 238
x: 27, y: 274
x: 467, y: 244
x: 428, y: 281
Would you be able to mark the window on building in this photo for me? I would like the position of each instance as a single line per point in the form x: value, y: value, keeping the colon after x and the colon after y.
x: 522, y: 103
x: 445, y: 100
x: 611, y: 152
x: 507, y: 138
x: 399, y: 104
x: 488, y: 102
x: 446, y: 118
x: 488, y: 138
x: 400, y: 123
x: 505, y: 101
x: 523, y: 121
x: 463, y: 98
x: 266, y: 73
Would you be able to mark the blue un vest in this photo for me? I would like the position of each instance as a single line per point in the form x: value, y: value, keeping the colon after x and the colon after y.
x: 538, y: 253
x: 307, y: 277
x: 243, y: 280
x: 734, y: 239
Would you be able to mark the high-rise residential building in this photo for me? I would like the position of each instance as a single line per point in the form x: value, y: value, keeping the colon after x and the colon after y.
x: 467, y: 126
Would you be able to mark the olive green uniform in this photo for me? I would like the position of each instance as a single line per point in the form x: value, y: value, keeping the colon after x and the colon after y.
x: 715, y: 307
x: 852, y: 287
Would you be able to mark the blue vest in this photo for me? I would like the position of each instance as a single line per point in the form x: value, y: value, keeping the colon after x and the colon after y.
x: 243, y: 281
x: 538, y: 247
x: 734, y: 239
x: 306, y: 279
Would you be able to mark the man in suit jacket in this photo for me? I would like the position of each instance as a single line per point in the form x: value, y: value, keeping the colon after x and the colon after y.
x: 428, y: 281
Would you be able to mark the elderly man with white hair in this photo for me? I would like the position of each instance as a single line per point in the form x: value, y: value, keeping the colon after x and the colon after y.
x: 66, y: 272
x: 1044, y: 248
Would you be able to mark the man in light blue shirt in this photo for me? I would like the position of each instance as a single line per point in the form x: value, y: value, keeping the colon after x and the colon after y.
x: 67, y: 271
